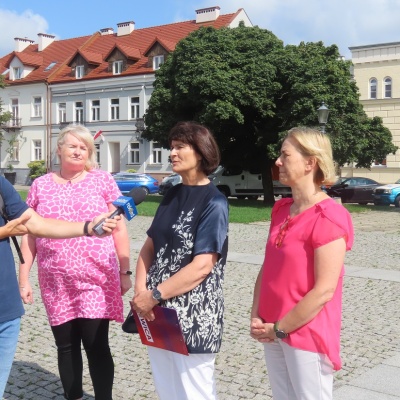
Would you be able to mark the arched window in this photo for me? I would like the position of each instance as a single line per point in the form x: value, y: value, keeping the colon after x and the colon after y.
x: 373, y: 83
x: 388, y: 87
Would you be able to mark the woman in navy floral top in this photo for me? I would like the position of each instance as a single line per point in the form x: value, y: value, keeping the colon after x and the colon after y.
x: 181, y: 266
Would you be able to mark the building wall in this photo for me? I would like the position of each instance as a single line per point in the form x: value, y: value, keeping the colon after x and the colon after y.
x: 379, y: 62
x: 116, y: 134
x: 32, y: 128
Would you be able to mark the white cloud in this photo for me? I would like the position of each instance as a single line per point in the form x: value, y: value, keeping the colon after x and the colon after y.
x: 346, y: 23
x: 27, y: 24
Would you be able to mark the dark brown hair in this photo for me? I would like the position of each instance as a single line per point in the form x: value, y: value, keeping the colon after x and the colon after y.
x: 201, y: 140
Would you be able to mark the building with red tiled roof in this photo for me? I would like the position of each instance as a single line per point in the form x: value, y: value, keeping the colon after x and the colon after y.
x: 103, y: 81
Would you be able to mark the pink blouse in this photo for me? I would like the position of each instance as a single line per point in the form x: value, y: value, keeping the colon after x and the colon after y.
x: 288, y: 272
x: 79, y: 277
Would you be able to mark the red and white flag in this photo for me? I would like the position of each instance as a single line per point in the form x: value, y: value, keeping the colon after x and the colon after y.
x: 98, y: 134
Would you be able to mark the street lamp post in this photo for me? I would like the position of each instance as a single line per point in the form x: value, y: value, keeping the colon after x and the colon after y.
x: 323, y: 113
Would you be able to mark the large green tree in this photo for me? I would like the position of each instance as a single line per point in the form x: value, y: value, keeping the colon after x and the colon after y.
x: 249, y: 89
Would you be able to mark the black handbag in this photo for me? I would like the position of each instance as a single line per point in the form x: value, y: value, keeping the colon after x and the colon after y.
x: 129, y: 325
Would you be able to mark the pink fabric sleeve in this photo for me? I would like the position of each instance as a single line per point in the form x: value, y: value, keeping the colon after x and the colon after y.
x: 334, y: 223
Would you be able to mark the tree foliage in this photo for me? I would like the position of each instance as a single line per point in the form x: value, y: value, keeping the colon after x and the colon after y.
x: 249, y: 88
x: 4, y: 116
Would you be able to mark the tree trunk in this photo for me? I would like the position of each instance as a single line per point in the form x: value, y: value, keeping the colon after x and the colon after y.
x: 268, y: 185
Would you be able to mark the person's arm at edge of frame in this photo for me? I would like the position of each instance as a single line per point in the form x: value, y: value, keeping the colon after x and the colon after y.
x: 59, y: 229
x: 28, y: 250
x: 15, y: 227
x: 328, y: 263
x: 122, y: 248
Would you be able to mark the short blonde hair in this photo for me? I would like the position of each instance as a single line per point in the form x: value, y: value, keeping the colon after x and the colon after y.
x: 82, y: 133
x: 313, y: 143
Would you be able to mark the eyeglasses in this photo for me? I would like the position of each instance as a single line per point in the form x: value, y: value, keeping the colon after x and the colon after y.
x: 282, y: 232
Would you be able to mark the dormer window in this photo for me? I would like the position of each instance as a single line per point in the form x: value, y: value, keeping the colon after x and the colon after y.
x: 79, y: 71
x: 157, y: 61
x: 17, y: 71
x: 117, y: 67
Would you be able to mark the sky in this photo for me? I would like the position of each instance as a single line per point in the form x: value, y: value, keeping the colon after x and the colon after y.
x: 346, y: 23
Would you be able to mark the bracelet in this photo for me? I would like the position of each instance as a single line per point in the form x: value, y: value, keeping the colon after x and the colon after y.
x: 128, y: 272
x: 86, y: 228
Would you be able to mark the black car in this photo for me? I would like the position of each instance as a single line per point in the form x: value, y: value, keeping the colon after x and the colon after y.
x: 354, y: 190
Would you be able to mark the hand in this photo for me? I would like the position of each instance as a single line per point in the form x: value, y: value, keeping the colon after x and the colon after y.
x: 261, y: 331
x: 26, y: 292
x: 16, y: 227
x: 109, y: 224
x: 126, y: 284
x: 143, y: 304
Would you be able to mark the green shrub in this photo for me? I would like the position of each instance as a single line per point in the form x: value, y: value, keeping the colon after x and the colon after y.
x: 36, y: 169
x: 131, y: 170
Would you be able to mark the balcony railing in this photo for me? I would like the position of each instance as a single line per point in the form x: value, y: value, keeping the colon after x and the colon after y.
x: 13, y: 123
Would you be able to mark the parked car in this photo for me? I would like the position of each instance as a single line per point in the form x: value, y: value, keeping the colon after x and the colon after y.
x: 168, y: 182
x: 387, y: 194
x: 354, y: 190
x: 126, y: 181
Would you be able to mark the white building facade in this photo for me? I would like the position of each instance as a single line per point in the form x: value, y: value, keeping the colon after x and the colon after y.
x: 103, y: 81
x: 377, y: 73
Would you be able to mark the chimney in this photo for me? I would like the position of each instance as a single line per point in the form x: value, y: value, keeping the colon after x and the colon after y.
x: 44, y: 40
x: 125, y: 28
x: 106, y: 31
x: 207, y: 14
x: 22, y: 43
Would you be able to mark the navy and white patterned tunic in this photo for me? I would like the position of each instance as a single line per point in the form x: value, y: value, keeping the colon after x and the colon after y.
x: 192, y: 220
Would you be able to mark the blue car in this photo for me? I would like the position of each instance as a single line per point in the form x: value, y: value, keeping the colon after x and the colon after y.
x: 388, y: 194
x: 126, y: 181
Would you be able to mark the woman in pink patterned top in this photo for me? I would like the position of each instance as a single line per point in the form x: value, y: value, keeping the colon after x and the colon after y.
x: 81, y: 279
x: 297, y: 303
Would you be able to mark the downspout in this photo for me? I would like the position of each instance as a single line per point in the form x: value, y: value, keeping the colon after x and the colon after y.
x: 48, y: 127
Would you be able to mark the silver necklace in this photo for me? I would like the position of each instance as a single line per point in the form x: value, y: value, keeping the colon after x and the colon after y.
x: 71, y: 179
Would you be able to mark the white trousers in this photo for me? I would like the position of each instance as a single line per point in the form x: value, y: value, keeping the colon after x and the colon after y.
x: 296, y: 374
x: 179, y: 377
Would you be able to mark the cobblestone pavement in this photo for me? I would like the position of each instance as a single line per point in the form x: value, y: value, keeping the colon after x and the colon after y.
x: 371, y: 321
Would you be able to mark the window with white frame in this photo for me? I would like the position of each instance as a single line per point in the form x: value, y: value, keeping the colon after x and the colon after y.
x: 15, y: 112
x: 78, y: 111
x: 156, y: 153
x: 37, y: 107
x: 97, y: 146
x: 134, y: 107
x: 17, y: 72
x: 117, y: 67
x: 388, y: 87
x: 79, y: 71
x: 157, y: 61
x: 373, y: 83
x: 62, y: 112
x: 134, y: 153
x: 95, y: 110
x: 14, y: 154
x: 37, y: 150
x: 114, y: 109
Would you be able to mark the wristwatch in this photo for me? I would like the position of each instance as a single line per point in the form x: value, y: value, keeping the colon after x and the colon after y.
x: 157, y: 295
x: 280, y: 334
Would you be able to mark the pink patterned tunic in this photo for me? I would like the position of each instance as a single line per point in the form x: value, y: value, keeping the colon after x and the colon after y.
x: 79, y: 277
